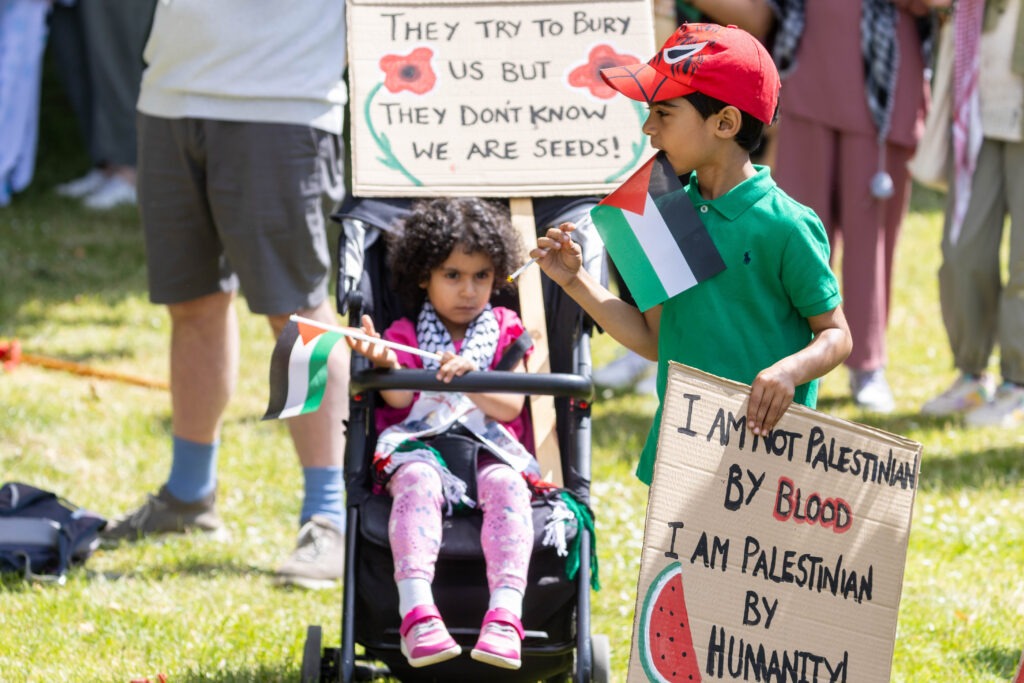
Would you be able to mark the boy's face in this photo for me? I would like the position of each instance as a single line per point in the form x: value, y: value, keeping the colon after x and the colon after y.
x: 677, y: 129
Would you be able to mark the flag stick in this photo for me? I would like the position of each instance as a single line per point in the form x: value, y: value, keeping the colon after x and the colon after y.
x: 350, y: 332
x: 521, y: 269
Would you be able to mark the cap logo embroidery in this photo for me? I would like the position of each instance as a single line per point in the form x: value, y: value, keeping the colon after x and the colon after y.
x: 677, y: 53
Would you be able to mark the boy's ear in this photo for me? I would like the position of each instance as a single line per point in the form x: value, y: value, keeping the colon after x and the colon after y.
x: 728, y: 122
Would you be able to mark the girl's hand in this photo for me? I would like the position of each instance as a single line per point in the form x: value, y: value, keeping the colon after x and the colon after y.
x: 380, y: 355
x: 558, y: 255
x: 453, y: 365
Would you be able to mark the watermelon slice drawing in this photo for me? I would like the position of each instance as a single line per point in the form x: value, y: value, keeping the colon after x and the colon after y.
x: 666, y: 642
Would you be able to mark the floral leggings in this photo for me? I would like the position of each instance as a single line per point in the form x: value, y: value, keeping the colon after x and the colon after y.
x: 416, y: 513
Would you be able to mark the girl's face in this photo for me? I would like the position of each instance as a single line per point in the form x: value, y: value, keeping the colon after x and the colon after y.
x: 460, y: 288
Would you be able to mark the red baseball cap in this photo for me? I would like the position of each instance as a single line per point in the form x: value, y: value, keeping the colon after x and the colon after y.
x: 724, y: 62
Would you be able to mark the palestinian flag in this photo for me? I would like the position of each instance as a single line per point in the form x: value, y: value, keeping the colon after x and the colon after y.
x: 298, y: 369
x: 655, y: 237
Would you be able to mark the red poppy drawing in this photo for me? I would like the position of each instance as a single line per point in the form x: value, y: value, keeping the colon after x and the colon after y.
x: 410, y: 72
x: 589, y: 75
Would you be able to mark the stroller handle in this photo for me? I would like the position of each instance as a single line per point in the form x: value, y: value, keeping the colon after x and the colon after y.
x: 549, y: 384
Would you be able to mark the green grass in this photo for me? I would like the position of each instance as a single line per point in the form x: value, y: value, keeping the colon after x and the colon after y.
x: 73, y: 286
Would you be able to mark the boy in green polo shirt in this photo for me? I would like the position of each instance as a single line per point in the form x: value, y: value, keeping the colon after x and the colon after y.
x: 772, y: 318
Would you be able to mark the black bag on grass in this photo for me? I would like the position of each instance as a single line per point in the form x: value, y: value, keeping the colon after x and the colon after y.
x: 42, y: 534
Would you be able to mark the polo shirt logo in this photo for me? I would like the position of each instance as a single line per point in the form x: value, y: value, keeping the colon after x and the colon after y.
x: 746, y: 258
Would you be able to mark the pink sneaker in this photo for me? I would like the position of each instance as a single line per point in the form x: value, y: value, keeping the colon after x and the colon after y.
x: 425, y: 640
x: 501, y: 638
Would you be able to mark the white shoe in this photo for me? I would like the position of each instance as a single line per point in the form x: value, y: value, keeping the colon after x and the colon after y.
x: 871, y: 390
x: 966, y: 393
x: 1005, y: 410
x: 80, y: 187
x: 113, y: 192
x: 624, y: 372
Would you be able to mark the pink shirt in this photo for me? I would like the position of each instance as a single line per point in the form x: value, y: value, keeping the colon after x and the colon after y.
x: 827, y: 84
x: 403, y: 331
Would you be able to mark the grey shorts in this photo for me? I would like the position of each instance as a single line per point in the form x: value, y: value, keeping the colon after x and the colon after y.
x: 227, y: 203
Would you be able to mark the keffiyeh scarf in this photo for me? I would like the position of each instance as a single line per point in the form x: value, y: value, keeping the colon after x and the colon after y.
x: 479, y: 346
x: 878, y: 50
x: 881, y: 60
x: 967, y: 132
x: 434, y: 413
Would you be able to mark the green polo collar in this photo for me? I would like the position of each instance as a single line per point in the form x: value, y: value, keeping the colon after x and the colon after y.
x: 738, y: 199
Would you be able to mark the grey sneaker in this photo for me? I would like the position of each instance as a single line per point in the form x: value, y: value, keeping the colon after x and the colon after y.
x: 319, y: 557
x: 1005, y: 410
x: 871, y: 390
x: 163, y: 513
x: 966, y: 393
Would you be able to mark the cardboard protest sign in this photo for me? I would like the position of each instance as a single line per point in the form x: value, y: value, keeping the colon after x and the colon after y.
x: 770, y: 559
x: 493, y: 97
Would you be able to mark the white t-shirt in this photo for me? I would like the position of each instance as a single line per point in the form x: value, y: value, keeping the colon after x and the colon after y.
x: 278, y: 61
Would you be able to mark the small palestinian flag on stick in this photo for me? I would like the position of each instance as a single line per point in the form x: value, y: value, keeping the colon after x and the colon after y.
x: 298, y: 365
x: 298, y: 369
x: 655, y: 237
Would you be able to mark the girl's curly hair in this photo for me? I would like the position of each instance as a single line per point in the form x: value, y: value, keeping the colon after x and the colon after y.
x: 437, y: 226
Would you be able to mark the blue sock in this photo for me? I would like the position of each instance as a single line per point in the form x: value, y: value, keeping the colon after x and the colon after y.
x: 193, y: 470
x: 324, y: 495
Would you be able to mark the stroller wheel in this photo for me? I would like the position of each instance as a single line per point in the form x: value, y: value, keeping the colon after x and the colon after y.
x: 311, y: 655
x: 601, y: 659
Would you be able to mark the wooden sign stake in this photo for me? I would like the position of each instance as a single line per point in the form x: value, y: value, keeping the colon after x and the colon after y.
x: 531, y: 307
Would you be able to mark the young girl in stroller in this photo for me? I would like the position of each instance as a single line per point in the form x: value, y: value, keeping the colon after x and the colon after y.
x: 450, y: 256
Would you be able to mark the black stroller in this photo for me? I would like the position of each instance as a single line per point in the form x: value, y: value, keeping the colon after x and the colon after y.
x: 556, y: 612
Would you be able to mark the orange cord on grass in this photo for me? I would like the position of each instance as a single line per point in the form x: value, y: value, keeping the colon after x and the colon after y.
x: 11, y: 356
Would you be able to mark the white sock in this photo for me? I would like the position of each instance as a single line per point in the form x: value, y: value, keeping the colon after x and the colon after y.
x: 413, y: 593
x: 507, y: 598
